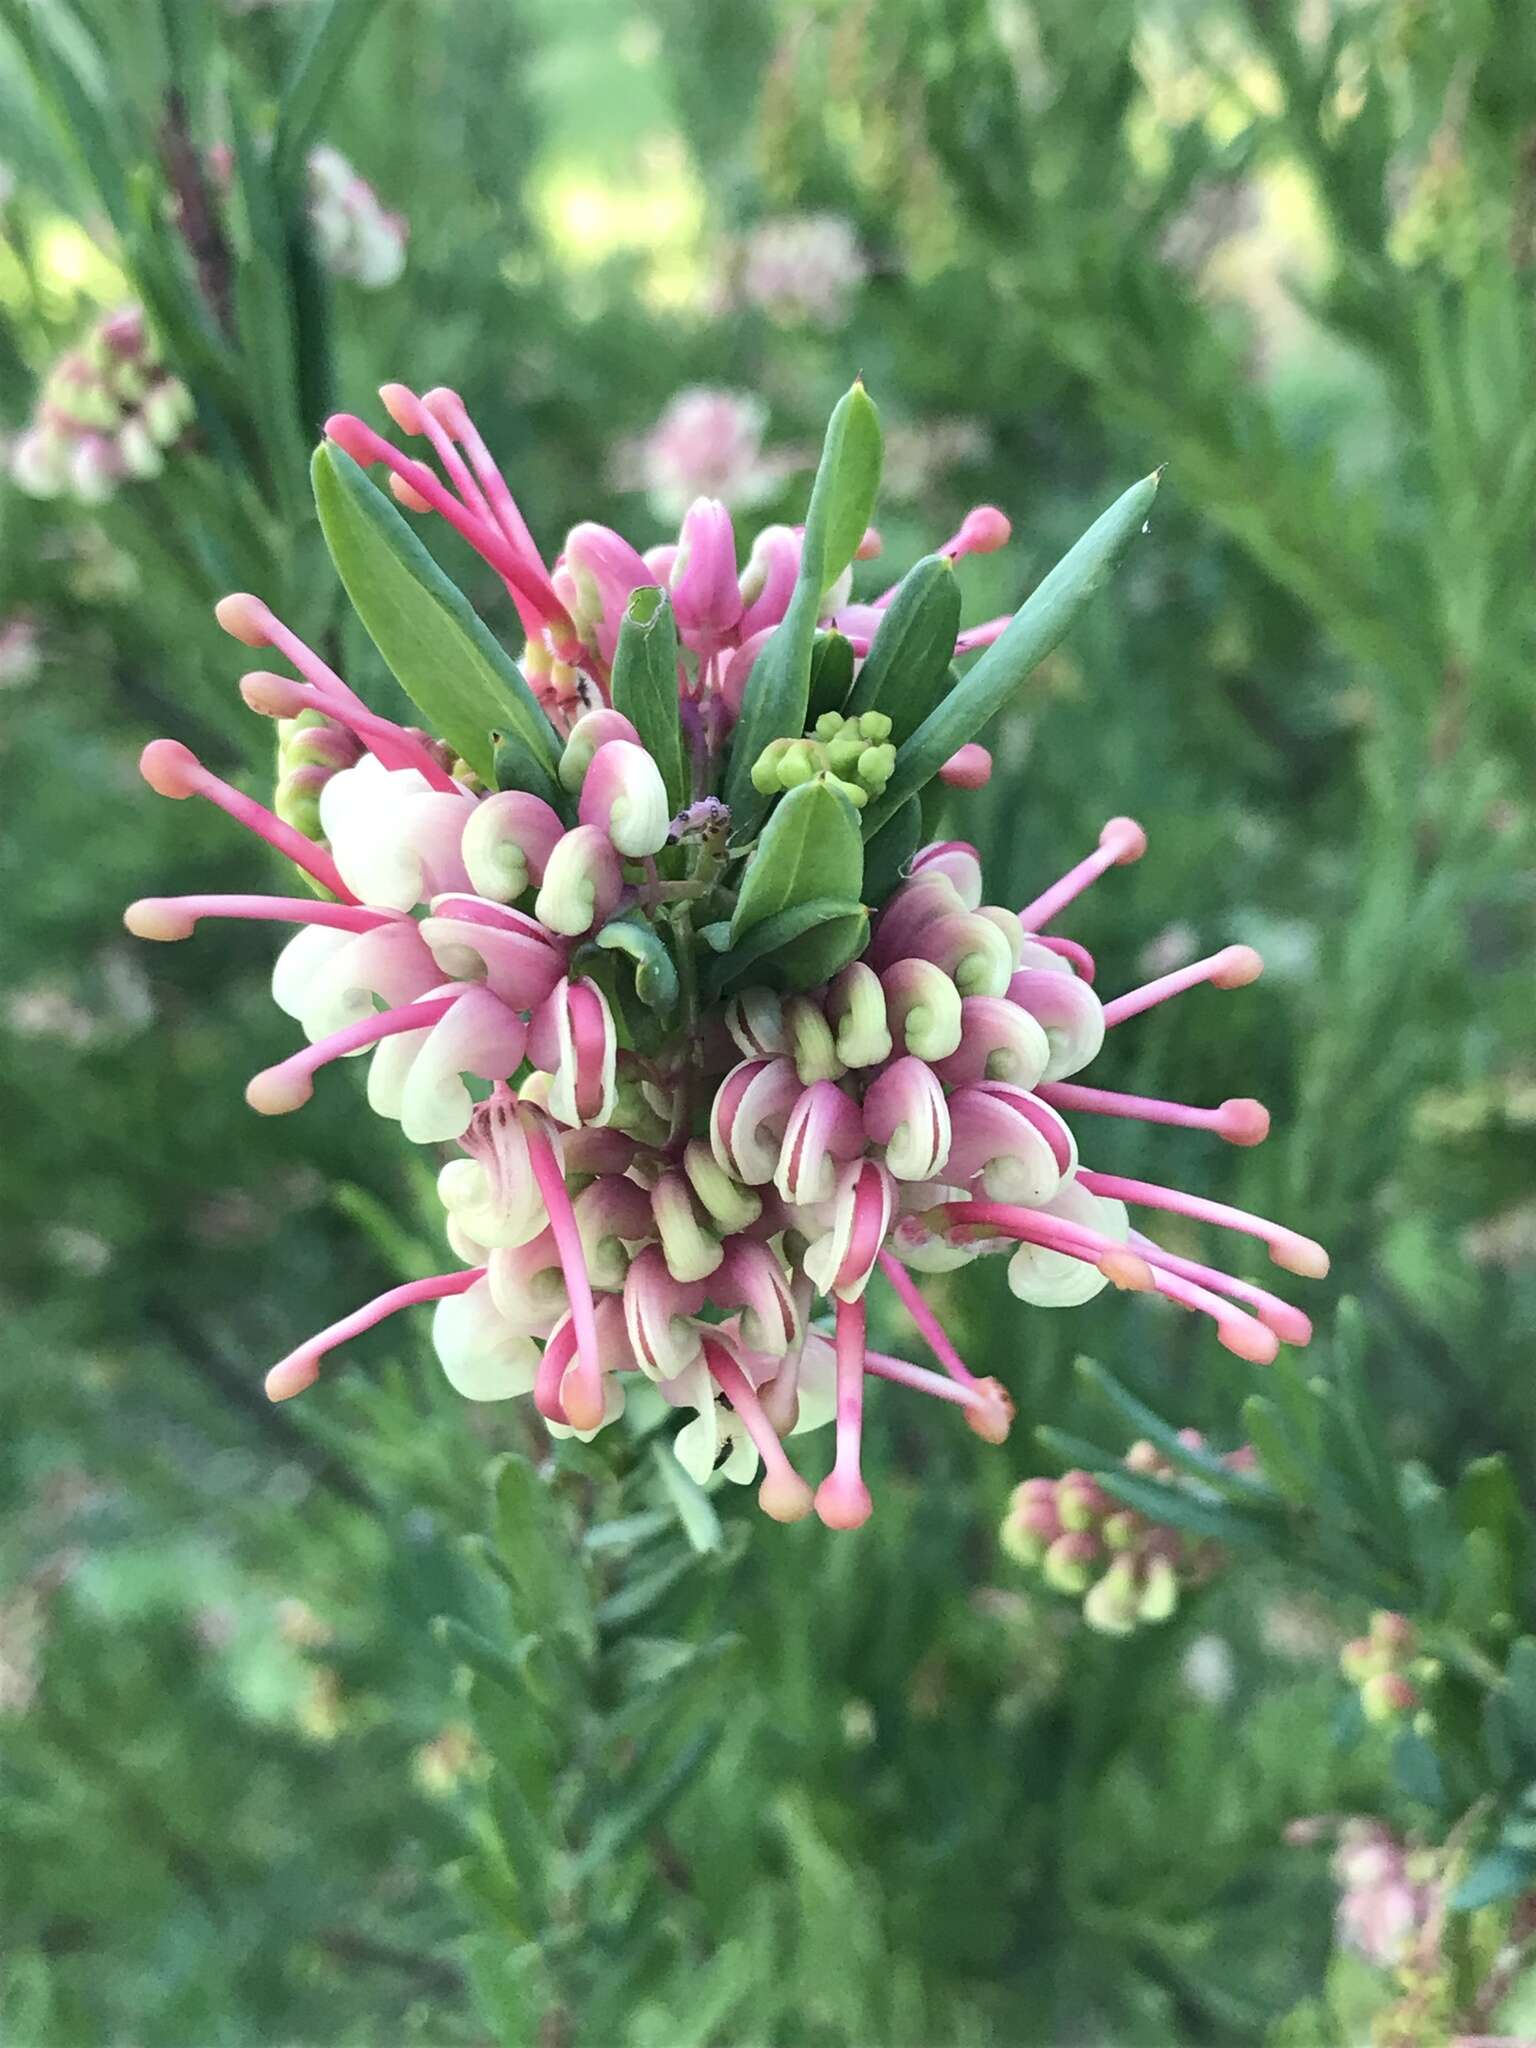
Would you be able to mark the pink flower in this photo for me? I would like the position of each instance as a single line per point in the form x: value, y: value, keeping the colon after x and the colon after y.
x: 803, y: 269
x: 708, y: 443
x: 679, y: 1155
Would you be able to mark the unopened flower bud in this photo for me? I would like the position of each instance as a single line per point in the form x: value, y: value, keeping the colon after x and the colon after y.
x: 691, y: 1251
x: 582, y: 883
x: 591, y: 731
x: 1112, y: 1605
x: 730, y: 1206
x: 812, y: 1046
x: 1387, y: 1696
x: 1069, y: 1562
x: 922, y: 1007
x: 507, y: 842
x: 855, y: 1008
x: 623, y: 794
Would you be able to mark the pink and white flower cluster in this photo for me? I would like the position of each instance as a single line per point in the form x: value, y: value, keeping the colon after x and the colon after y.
x: 801, y: 269
x: 356, y: 235
x: 107, y: 413
x: 701, y: 1205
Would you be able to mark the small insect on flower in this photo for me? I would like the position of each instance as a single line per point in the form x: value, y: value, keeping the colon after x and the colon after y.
x: 644, y: 932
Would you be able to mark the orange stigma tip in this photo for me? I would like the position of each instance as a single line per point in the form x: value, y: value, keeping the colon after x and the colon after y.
x: 869, y: 548
x: 408, y: 495
x: 785, y: 1497
x: 583, y: 1404
x: 243, y: 617
x: 992, y: 1415
x: 169, y: 768
x: 1236, y: 967
x: 1303, y: 1255
x: 403, y: 407
x: 278, y: 1090
x: 274, y: 696
x: 292, y: 1375
x: 843, y: 1504
x: 1253, y: 1341
x: 986, y: 529
x: 1125, y: 839
x: 1243, y: 1121
x: 1127, y: 1270
x: 152, y: 917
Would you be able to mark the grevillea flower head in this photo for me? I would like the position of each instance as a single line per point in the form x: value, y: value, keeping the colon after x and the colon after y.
x: 642, y: 932
x: 106, y: 415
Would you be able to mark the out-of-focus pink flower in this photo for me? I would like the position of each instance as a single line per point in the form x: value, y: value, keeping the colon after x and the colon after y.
x: 106, y: 415
x: 802, y: 270
x: 356, y: 235
x: 707, y: 444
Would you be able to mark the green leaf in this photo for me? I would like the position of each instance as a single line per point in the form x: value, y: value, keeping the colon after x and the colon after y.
x: 1277, y: 1454
x: 831, y: 675
x: 1416, y: 1770
x: 777, y: 695
x: 1178, y: 1509
x: 695, y: 1510
x: 655, y: 974
x: 906, y: 672
x: 1501, y: 1874
x: 264, y: 313
x: 536, y: 1554
x: 847, y: 484
x: 614, y: 1834
x: 467, y: 1646
x: 1045, y: 617
x: 315, y: 74
x: 1200, y: 1464
x: 810, y: 847
x: 644, y: 686
x: 842, y: 928
x: 1520, y: 1689
x: 887, y: 854
x: 442, y: 654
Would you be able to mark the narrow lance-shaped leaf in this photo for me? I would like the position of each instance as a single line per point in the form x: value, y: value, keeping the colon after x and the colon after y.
x: 317, y: 68
x: 1201, y: 1464
x: 1046, y: 615
x: 887, y: 854
x: 831, y: 675
x: 446, y: 660
x: 777, y: 696
x: 906, y: 671
x: 644, y: 686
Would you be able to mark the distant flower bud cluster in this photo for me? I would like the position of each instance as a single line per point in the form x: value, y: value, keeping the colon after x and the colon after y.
x: 107, y: 413
x: 1377, y: 1664
x: 1126, y: 1568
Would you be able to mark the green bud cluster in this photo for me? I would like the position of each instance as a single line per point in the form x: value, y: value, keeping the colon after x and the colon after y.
x: 310, y: 750
x: 1378, y: 1664
x: 855, y: 752
x: 1125, y: 1568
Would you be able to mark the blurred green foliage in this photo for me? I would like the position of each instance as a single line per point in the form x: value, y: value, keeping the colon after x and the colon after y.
x: 264, y: 1673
